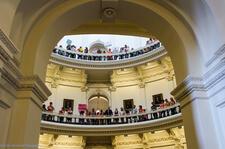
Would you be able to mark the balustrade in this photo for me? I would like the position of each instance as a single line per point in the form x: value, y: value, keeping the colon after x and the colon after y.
x: 111, y: 120
x: 106, y: 56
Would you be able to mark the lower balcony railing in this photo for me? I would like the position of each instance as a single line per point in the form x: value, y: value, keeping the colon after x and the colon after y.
x: 111, y: 125
x: 110, y: 120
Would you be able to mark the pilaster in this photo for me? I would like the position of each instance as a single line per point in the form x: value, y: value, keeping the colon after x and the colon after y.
x: 24, y: 128
x: 21, y: 100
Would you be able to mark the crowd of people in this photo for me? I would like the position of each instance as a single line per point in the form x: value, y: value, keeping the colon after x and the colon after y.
x: 160, y: 109
x: 108, y: 54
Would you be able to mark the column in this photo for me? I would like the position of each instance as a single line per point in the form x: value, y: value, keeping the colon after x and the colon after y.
x: 24, y: 127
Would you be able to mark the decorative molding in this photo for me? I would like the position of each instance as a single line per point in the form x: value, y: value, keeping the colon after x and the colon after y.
x: 33, y: 84
x: 129, y: 142
x: 84, y: 88
x: 9, y: 71
x: 193, y: 86
x: 141, y: 84
x: 8, y: 43
x: 210, y: 78
x: 10, y: 46
x: 112, y: 88
x: 4, y: 105
x: 216, y: 55
x: 160, y: 139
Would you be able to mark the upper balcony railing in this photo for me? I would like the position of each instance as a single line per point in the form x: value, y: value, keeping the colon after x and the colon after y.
x: 106, y: 56
x: 119, y: 60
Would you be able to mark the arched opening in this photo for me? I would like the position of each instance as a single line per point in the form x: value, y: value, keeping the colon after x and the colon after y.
x: 183, y: 36
x: 183, y: 50
x: 98, y: 103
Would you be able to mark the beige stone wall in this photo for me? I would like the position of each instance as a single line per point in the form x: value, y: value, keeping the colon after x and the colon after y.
x: 141, y: 82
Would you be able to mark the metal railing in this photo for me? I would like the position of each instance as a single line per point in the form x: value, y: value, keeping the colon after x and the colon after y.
x: 106, y: 56
x: 111, y: 120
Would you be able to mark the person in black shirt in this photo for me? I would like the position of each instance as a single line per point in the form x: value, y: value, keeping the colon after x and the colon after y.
x: 108, y: 112
x: 154, y: 108
x: 44, y: 109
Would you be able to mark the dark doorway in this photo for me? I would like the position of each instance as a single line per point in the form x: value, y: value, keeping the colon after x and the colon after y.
x: 128, y: 104
x: 68, y: 103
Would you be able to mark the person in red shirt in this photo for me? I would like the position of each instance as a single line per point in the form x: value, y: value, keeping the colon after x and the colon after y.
x: 50, y: 109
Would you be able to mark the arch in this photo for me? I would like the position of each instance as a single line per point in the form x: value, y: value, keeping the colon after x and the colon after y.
x: 190, y: 30
x: 166, y: 23
x: 98, y: 102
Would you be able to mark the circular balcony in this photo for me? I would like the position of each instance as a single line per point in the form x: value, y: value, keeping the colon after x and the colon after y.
x: 111, y: 125
x: 108, y: 61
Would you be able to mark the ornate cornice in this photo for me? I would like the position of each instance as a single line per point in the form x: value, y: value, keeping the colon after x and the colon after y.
x: 215, y: 74
x: 10, y: 46
x: 147, y: 57
x: 191, y: 86
x: 110, y: 130
x: 9, y: 71
x: 4, y: 105
x: 129, y: 142
x: 33, y: 85
x: 216, y: 55
x: 8, y: 43
x: 160, y: 139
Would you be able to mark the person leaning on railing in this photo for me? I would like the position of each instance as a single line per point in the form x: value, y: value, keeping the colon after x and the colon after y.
x: 154, y: 108
x: 61, y: 118
x: 122, y: 113
x: 108, y: 113
x: 44, y: 109
x: 100, y: 120
x: 69, y: 112
x: 116, y: 113
x: 82, y: 53
x: 50, y: 109
x: 134, y: 112
x: 173, y: 102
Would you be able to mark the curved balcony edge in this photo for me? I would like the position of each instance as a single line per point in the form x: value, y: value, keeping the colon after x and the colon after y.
x: 114, y: 64
x: 110, y: 130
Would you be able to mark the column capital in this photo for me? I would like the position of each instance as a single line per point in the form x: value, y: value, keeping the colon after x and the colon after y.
x: 112, y: 88
x: 190, y: 89
x: 84, y: 88
x: 32, y: 87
